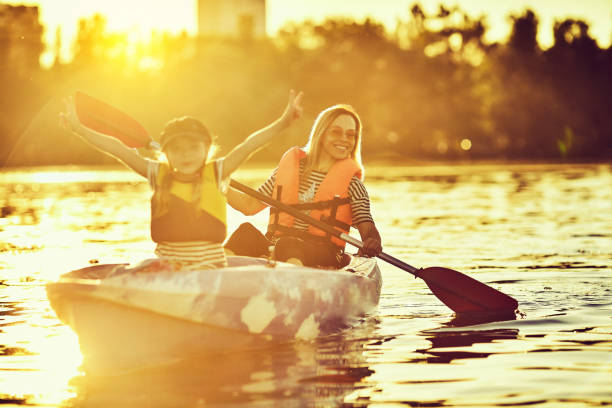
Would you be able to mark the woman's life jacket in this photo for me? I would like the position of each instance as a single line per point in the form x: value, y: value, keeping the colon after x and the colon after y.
x: 183, y: 220
x: 331, y: 203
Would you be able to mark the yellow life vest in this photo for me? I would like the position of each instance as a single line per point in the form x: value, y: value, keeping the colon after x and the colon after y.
x: 183, y: 220
x: 331, y: 202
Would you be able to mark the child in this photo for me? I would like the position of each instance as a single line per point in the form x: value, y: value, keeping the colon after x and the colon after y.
x: 188, y: 206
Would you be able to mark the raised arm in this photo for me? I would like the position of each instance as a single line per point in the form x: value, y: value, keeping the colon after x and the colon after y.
x: 106, y: 144
x: 243, y: 202
x: 257, y: 140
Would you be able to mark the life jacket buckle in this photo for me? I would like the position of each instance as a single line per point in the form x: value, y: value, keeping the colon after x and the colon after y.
x: 271, y: 259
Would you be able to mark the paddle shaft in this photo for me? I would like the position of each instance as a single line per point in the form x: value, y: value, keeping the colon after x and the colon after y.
x: 355, y: 242
x: 453, y: 288
x: 320, y: 224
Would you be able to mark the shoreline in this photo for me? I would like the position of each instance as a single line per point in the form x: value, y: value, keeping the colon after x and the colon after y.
x: 262, y: 165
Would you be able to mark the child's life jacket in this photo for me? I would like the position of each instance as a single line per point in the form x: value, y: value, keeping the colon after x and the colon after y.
x: 182, y: 220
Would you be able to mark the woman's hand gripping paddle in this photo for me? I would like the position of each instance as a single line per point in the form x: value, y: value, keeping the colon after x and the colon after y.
x: 459, y: 292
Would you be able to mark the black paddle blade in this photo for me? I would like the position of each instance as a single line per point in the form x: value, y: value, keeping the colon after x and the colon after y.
x: 464, y: 294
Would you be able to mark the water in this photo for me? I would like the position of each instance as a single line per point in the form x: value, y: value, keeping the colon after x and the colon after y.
x: 540, y: 233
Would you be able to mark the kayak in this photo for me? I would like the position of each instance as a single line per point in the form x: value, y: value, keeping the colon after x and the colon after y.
x: 124, y: 316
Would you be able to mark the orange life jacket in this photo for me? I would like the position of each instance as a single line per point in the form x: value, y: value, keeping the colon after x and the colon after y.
x: 331, y: 202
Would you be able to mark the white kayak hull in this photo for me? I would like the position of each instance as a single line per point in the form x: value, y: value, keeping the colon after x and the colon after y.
x: 126, y: 319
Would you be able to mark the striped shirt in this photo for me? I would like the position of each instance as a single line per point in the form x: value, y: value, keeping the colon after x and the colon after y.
x: 358, y: 195
x: 191, y: 254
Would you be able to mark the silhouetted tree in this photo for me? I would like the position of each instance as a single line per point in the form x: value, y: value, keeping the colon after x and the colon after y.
x: 523, y: 38
x: 579, y: 76
x: 20, y: 48
x: 422, y: 91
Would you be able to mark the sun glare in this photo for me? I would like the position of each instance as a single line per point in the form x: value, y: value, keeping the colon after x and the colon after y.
x: 466, y: 144
x: 77, y: 176
x: 137, y: 18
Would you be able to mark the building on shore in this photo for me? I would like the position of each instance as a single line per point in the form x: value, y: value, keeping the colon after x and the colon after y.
x: 232, y: 18
x: 20, y: 37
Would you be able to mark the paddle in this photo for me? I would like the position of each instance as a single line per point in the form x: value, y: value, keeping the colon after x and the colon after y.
x: 459, y: 292
x: 104, y: 118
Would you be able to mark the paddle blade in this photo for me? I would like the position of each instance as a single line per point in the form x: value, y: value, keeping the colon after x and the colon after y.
x: 104, y: 118
x: 464, y: 294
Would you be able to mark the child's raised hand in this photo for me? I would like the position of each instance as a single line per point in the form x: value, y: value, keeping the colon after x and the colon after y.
x: 294, y: 109
x: 68, y: 119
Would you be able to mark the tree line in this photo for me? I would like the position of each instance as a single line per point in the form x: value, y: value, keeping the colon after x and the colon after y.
x: 432, y: 89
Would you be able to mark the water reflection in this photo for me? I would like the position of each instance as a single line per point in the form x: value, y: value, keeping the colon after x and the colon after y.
x: 286, y: 374
x: 467, y: 338
x: 540, y: 233
x: 38, y: 357
x: 460, y: 332
x: 472, y: 319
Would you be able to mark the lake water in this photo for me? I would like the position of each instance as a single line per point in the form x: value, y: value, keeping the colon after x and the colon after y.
x: 541, y: 233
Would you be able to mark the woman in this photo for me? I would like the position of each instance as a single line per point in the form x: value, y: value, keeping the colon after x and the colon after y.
x: 188, y: 206
x: 325, y: 180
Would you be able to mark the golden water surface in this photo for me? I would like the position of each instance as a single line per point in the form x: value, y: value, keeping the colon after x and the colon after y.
x: 541, y: 233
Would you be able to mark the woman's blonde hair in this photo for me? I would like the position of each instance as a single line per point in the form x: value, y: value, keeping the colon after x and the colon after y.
x: 320, y: 126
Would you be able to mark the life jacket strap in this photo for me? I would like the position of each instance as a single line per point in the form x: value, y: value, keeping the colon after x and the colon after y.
x: 294, y: 232
x: 319, y: 205
x: 332, y: 214
x: 331, y: 220
x: 273, y: 210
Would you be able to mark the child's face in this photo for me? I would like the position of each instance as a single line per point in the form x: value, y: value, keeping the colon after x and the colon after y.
x: 186, y: 154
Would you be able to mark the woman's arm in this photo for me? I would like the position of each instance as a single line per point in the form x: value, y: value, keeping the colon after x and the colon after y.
x: 256, y: 140
x: 371, y: 239
x: 244, y: 202
x: 106, y: 144
x: 362, y: 219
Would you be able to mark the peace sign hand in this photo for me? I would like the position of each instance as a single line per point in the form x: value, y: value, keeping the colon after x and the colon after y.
x: 294, y: 108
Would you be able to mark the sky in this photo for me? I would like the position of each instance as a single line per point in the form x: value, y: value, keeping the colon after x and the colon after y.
x: 178, y: 15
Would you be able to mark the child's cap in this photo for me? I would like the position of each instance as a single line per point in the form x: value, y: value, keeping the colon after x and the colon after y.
x: 184, y: 126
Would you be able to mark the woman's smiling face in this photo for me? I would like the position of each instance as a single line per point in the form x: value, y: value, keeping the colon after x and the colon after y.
x: 339, y: 139
x: 186, y: 154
